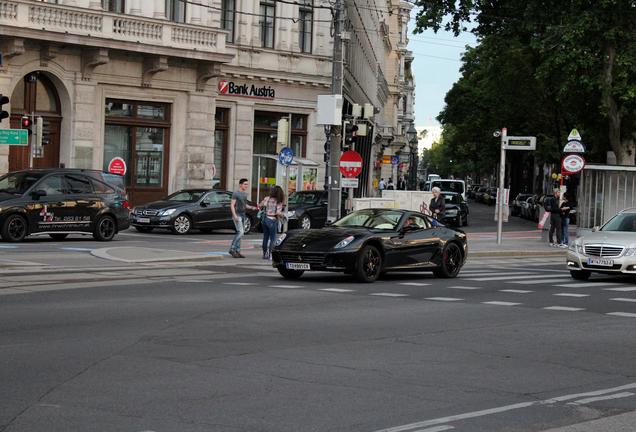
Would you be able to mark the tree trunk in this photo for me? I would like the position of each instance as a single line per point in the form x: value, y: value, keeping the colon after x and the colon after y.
x: 623, y: 149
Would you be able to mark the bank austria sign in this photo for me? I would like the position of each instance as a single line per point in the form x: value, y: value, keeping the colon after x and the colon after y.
x: 231, y: 88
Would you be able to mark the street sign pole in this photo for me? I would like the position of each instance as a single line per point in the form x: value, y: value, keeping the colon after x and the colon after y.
x: 31, y: 144
x: 500, y: 193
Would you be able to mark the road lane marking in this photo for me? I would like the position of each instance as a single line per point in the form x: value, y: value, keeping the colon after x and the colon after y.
x: 602, y: 398
x: 383, y: 294
x: 501, y: 303
x: 563, y: 308
x: 622, y: 314
x: 588, y: 284
x: 541, y: 281
x: 511, y: 278
x: 622, y: 289
x: 436, y: 429
x: 571, y: 295
x: 414, y: 283
x: 286, y: 286
x: 496, y: 274
x: 464, y: 288
x: 448, y: 299
x: 239, y: 283
x: 414, y: 427
x: 336, y: 290
x: 516, y: 291
x: 620, y: 299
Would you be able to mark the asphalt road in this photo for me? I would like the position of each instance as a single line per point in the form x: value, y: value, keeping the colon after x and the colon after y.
x: 510, y: 345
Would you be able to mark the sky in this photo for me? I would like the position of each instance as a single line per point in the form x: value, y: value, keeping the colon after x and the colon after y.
x: 437, y: 59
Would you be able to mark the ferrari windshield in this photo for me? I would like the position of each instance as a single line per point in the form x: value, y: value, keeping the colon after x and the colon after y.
x: 625, y: 222
x: 374, y: 219
x: 186, y: 196
x: 18, y: 183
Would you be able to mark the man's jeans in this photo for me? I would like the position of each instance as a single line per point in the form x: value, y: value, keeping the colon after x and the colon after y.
x: 566, y: 228
x: 240, y: 232
x: 555, y: 226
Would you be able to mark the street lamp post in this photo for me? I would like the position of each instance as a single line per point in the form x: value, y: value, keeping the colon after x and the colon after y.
x: 411, y: 136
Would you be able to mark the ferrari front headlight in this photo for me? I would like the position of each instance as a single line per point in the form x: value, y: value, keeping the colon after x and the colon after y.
x: 344, y: 243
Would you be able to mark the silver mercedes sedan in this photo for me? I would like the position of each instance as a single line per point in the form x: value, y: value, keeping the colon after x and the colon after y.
x: 610, y: 249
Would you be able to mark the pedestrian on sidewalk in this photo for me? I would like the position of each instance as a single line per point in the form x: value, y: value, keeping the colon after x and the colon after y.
x: 390, y: 185
x: 381, y: 185
x: 238, y: 206
x: 566, y: 206
x: 438, y: 204
x: 401, y: 184
x: 273, y: 209
x: 552, y: 206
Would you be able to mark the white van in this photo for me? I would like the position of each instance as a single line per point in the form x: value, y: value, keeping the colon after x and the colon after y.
x: 449, y: 185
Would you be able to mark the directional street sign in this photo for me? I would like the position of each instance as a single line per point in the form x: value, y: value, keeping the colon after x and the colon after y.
x: 520, y: 143
x: 18, y: 137
x: 286, y: 156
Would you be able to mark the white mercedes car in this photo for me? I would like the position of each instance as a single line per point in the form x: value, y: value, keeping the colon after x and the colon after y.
x: 610, y: 249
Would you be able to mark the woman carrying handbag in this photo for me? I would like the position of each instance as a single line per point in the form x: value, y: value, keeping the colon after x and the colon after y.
x: 272, y: 212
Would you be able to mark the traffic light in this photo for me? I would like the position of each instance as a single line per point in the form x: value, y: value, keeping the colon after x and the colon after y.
x: 3, y: 101
x: 26, y: 124
x: 350, y: 135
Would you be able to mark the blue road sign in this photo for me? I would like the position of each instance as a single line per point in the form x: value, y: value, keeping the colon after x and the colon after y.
x: 395, y: 160
x: 286, y: 156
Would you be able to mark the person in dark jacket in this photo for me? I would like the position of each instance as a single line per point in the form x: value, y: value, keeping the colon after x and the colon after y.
x: 552, y: 206
x: 566, y: 207
x: 401, y: 184
x: 438, y: 204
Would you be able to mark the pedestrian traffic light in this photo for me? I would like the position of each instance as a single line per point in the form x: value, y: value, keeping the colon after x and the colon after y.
x: 26, y: 124
x: 350, y: 135
x: 327, y: 150
x: 3, y: 101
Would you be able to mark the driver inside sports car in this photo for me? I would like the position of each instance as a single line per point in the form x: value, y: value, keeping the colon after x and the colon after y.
x: 412, y: 221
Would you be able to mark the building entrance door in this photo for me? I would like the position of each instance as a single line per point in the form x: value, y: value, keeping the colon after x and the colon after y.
x: 36, y: 94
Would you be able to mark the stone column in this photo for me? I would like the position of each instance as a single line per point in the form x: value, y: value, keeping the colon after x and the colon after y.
x: 199, y: 146
x: 160, y: 9
x: 84, y: 125
x: 135, y: 7
x: 195, y: 14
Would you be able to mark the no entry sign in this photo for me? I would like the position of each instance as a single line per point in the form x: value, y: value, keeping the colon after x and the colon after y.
x: 117, y: 166
x: 351, y: 164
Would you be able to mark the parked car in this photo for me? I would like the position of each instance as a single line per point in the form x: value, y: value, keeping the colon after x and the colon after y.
x: 515, y: 209
x: 187, y: 209
x: 489, y: 197
x: 456, y: 209
x: 479, y: 195
x: 610, y: 249
x: 369, y: 242
x: 307, y: 209
x: 59, y: 202
x: 472, y: 191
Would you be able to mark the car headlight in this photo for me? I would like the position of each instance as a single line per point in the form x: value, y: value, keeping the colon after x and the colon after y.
x: 630, y: 252
x: 291, y: 214
x: 576, y: 247
x: 168, y: 212
x: 281, y: 239
x: 344, y: 243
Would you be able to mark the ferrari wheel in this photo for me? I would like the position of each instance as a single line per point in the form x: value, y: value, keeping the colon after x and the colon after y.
x: 451, y: 262
x: 290, y: 274
x: 369, y: 266
x: 582, y: 275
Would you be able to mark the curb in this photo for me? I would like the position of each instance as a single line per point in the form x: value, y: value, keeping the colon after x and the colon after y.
x: 516, y: 253
x: 105, y: 254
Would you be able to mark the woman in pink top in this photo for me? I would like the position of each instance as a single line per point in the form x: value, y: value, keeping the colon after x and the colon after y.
x: 273, y: 207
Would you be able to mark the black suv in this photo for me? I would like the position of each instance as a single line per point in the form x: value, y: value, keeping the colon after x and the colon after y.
x: 59, y: 202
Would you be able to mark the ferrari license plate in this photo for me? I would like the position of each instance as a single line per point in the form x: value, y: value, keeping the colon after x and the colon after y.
x: 297, y: 266
x: 143, y: 220
x: 600, y: 262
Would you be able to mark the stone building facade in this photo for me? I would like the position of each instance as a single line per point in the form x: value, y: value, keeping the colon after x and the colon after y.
x: 187, y: 93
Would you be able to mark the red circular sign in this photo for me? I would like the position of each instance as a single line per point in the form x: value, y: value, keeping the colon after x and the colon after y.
x: 117, y: 166
x: 351, y: 164
x: 572, y: 164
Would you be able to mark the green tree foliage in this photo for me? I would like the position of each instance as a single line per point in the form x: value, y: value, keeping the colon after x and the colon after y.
x: 541, y: 68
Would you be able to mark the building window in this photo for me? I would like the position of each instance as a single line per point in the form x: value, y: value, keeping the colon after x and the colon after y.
x: 138, y: 132
x: 176, y: 10
x: 306, y: 23
x: 268, y: 16
x: 227, y: 18
x: 264, y: 172
x: 221, y: 133
x: 116, y: 6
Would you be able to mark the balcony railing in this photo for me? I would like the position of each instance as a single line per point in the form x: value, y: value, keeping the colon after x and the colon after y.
x: 76, y: 21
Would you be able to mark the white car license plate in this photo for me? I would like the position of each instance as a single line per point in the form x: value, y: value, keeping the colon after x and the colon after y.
x: 143, y: 220
x: 600, y: 262
x: 298, y: 266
